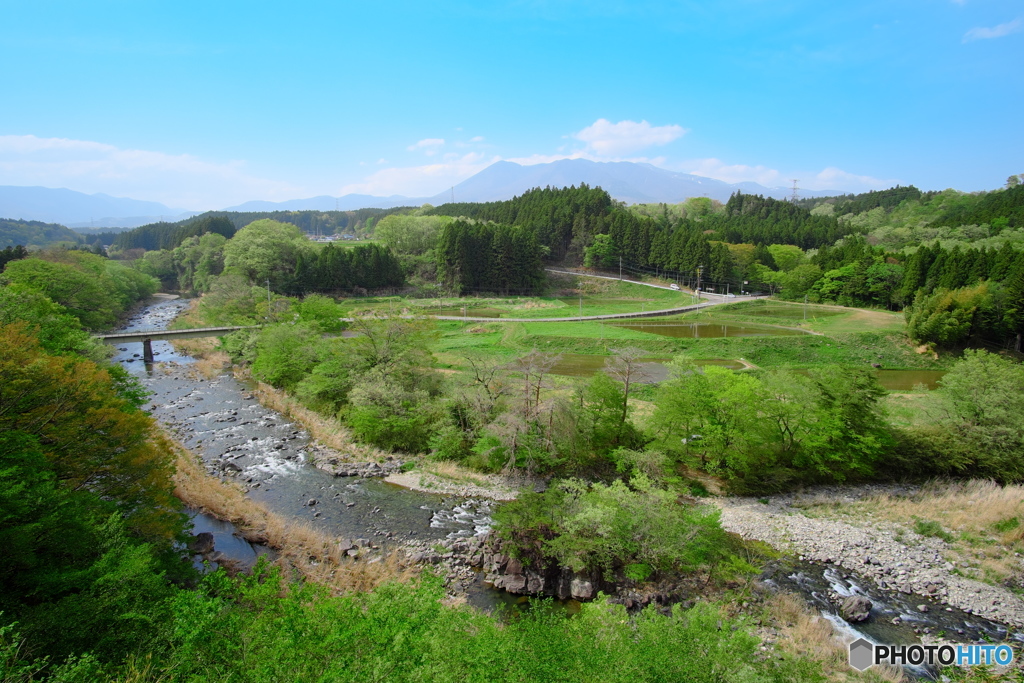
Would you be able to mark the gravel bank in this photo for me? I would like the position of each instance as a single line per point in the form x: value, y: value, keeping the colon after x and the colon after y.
x: 496, y: 488
x: 913, y: 565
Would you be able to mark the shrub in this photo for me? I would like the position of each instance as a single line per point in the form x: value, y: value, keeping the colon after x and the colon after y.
x: 637, y: 528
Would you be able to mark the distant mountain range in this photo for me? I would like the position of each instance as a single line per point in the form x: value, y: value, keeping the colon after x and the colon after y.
x: 630, y: 182
x: 626, y: 181
x: 348, y: 202
x: 79, y: 210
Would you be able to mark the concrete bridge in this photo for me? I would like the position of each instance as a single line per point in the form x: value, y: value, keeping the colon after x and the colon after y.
x: 147, y: 336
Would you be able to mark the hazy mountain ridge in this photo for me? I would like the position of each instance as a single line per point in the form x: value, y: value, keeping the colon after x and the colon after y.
x: 77, y: 209
x: 348, y: 202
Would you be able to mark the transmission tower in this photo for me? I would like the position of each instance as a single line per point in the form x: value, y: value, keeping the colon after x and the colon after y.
x: 795, y: 196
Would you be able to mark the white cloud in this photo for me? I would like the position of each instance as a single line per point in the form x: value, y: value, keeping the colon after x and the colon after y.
x: 429, y: 146
x: 832, y: 178
x: 733, y: 173
x: 625, y: 137
x: 984, y: 33
x: 421, y: 181
x: 534, y: 159
x: 829, y: 178
x: 179, y: 181
x: 478, y: 138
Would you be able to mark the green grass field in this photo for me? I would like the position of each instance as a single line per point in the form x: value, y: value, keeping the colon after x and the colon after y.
x: 882, y: 343
x: 812, y: 317
x: 599, y: 297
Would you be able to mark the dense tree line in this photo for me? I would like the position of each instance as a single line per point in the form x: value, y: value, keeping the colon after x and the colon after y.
x: 493, y: 257
x: 169, y: 235
x: 337, y: 269
x: 563, y: 220
x: 269, y: 250
x: 94, y: 289
x: 662, y: 242
x: 859, y: 203
x: 14, y: 253
x: 950, y: 295
x: 358, y: 221
x: 999, y: 209
x: 35, y: 233
x: 904, y: 217
x: 569, y: 221
x: 763, y: 220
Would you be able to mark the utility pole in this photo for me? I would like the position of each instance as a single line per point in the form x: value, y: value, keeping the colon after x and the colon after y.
x: 620, y: 269
x: 700, y: 270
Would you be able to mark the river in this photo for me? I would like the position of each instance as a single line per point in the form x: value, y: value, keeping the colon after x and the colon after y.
x: 259, y: 448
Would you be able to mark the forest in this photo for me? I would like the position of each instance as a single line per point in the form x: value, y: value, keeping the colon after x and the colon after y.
x: 170, y: 235
x: 34, y: 233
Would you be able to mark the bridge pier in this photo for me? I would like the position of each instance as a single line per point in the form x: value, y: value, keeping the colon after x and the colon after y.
x: 147, y: 350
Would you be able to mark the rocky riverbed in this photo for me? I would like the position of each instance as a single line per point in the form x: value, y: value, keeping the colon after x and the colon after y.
x: 890, y: 555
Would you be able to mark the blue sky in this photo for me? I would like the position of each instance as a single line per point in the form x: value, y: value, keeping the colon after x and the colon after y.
x: 204, y: 105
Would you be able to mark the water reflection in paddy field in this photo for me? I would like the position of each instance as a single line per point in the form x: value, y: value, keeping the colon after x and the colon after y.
x: 792, y: 312
x: 476, y: 312
x: 699, y: 330
x: 656, y: 369
x: 904, y: 380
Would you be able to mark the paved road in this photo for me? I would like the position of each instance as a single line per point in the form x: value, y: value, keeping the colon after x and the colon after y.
x: 140, y: 335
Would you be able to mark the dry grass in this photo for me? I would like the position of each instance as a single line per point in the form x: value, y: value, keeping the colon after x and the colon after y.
x: 190, y: 317
x: 974, y: 505
x: 449, y: 477
x: 211, y: 365
x: 197, y: 348
x: 809, y: 636
x: 446, y: 469
x: 987, y: 521
x: 312, y: 553
x: 982, y: 522
x: 209, y: 361
x: 327, y: 431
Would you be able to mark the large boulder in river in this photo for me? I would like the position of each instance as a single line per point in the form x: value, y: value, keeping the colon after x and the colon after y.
x: 515, y: 583
x: 855, y: 609
x: 581, y: 588
x: 202, y: 543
